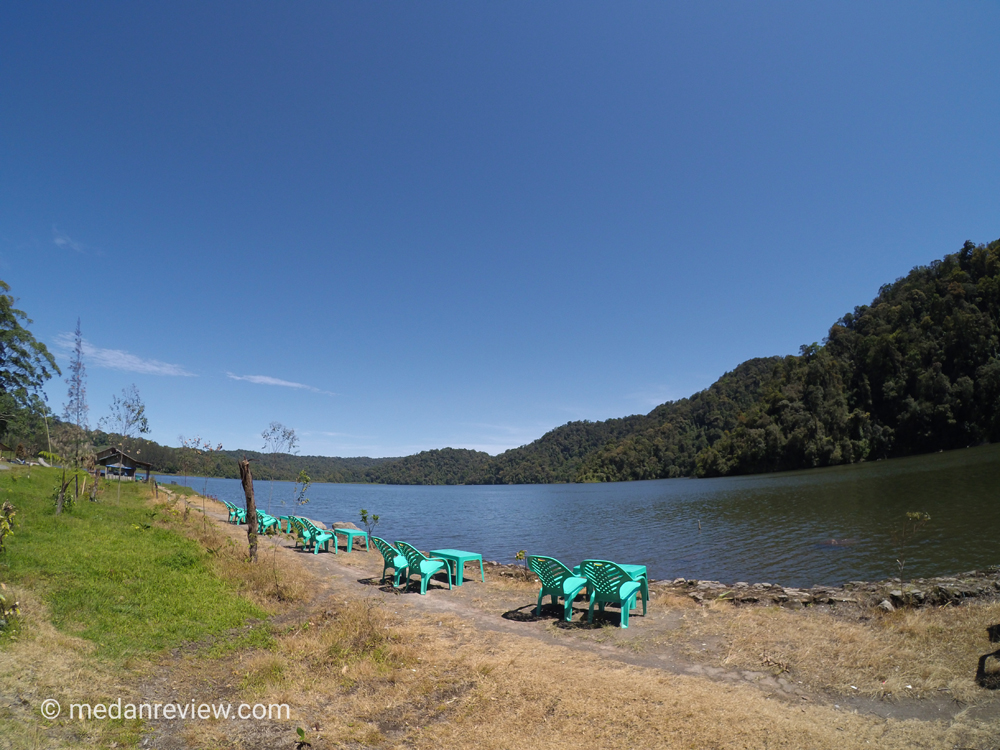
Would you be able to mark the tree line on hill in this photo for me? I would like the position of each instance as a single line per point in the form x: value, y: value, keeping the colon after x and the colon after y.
x: 915, y: 371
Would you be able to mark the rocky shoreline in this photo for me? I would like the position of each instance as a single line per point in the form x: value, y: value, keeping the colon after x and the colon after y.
x: 888, y: 595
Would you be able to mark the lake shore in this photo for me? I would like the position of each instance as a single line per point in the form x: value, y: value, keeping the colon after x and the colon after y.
x: 939, y: 591
x: 362, y: 664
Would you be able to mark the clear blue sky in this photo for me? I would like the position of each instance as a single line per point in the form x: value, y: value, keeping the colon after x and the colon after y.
x: 402, y: 226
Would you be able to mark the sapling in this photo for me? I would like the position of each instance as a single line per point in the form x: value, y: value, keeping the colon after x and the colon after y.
x: 522, y: 557
x: 370, y: 521
x: 301, y: 486
x: 912, y: 526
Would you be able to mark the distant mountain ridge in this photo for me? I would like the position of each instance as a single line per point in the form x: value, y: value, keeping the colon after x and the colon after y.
x: 917, y: 370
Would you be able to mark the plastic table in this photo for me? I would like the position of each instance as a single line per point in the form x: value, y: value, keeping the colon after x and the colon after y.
x: 459, y: 558
x: 350, y: 534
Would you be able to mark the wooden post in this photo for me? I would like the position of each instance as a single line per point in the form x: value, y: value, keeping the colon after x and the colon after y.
x: 247, y: 479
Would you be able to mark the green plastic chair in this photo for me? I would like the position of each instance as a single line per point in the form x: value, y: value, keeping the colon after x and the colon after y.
x: 608, y: 583
x: 557, y: 581
x: 296, y: 527
x: 393, y: 559
x: 350, y: 534
x: 309, y: 533
x: 418, y: 562
x: 637, y: 573
x: 265, y: 522
x: 237, y: 514
x: 283, y: 520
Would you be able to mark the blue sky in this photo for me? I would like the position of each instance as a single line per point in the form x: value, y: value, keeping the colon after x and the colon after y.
x: 402, y: 226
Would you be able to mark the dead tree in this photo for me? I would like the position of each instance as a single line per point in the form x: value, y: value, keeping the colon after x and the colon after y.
x: 247, y: 478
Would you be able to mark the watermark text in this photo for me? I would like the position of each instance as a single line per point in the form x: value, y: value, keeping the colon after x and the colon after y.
x: 170, y: 711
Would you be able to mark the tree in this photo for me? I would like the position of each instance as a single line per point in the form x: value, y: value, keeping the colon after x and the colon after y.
x: 194, y: 449
x: 193, y: 452
x: 127, y: 420
x: 277, y: 439
x: 25, y: 365
x: 75, y: 411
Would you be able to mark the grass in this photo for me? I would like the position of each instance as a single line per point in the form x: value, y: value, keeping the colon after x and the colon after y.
x: 106, y: 590
x: 115, y: 572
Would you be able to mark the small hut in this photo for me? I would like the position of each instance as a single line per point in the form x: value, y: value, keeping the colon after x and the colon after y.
x: 116, y: 462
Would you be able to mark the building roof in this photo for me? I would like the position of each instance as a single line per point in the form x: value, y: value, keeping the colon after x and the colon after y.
x: 110, y: 457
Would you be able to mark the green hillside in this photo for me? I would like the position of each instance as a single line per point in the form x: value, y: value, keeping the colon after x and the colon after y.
x: 918, y: 370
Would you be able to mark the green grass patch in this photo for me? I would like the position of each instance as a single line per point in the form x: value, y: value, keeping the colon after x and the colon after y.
x: 110, y: 573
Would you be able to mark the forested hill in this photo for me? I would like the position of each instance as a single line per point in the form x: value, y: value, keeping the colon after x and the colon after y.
x: 917, y: 370
x: 180, y: 461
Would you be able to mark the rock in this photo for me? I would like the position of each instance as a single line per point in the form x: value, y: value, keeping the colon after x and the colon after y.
x: 344, y: 525
x: 886, y: 605
x: 318, y: 524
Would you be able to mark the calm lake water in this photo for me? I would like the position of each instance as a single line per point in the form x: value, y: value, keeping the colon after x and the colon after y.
x: 774, y: 528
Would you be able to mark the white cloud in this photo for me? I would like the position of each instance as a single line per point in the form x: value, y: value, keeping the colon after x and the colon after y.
x: 64, y: 240
x: 118, y: 359
x: 268, y: 380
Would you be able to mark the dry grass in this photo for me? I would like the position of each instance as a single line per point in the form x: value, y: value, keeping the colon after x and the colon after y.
x: 430, y: 683
x: 916, y: 653
x: 41, y: 662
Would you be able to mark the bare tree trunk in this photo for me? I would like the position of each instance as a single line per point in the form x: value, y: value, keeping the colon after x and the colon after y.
x: 247, y: 479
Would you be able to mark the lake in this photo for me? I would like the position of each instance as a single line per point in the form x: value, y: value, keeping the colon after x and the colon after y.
x: 774, y: 528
